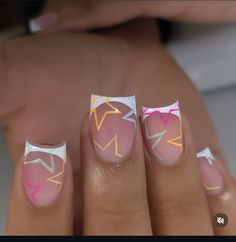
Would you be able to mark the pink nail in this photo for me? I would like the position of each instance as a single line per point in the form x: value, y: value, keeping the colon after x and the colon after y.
x: 42, y: 22
x: 43, y: 172
x: 163, y: 133
x: 211, y: 174
x: 113, y: 127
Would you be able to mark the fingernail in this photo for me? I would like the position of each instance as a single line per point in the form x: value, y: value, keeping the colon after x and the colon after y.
x: 211, y: 174
x: 43, y: 172
x: 163, y: 133
x: 42, y: 22
x: 113, y: 127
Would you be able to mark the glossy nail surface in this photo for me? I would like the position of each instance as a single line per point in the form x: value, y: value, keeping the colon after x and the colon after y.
x: 211, y: 175
x: 113, y: 127
x: 163, y: 133
x: 43, y: 172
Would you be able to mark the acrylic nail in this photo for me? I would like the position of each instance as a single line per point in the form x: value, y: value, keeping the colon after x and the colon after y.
x: 43, y: 172
x: 113, y: 127
x: 211, y: 175
x: 42, y: 22
x: 163, y: 133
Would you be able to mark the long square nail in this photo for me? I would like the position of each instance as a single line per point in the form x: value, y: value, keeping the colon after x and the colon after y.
x: 113, y: 127
x: 163, y: 133
x: 43, y: 172
x: 211, y: 175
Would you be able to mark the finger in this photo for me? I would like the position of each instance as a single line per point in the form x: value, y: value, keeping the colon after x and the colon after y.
x: 41, y: 196
x: 114, y: 182
x: 220, y: 188
x: 99, y: 14
x: 178, y: 204
x: 11, y: 98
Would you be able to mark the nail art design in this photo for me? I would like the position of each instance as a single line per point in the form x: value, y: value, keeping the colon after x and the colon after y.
x: 42, y: 22
x: 34, y: 27
x: 43, y: 172
x: 163, y: 132
x: 113, y: 126
x: 211, y: 174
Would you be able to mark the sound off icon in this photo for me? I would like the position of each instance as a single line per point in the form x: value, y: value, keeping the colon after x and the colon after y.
x: 220, y: 220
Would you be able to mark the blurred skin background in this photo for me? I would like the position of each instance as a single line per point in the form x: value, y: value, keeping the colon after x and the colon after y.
x: 220, y: 99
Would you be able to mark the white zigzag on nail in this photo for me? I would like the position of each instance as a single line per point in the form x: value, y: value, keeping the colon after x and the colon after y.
x: 206, y: 153
x: 50, y: 168
x: 127, y: 117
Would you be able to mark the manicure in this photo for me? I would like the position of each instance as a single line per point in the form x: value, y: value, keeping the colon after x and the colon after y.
x: 113, y: 127
x: 42, y: 22
x: 211, y: 174
x: 43, y: 172
x: 163, y: 133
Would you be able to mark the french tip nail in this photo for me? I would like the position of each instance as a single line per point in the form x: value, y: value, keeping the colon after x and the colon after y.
x: 206, y: 153
x: 42, y: 22
x: 97, y: 100
x: 211, y: 175
x: 159, y: 124
x: 43, y: 172
x: 34, y: 27
x: 113, y: 133
x: 58, y: 150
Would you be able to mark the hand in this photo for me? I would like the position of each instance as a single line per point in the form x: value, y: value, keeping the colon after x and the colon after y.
x: 95, y: 14
x: 40, y: 69
x: 123, y: 194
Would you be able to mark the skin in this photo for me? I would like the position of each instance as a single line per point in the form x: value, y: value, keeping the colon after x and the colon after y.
x: 136, y: 61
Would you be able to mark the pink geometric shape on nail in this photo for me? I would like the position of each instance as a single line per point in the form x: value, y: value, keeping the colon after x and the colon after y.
x: 34, y: 189
x: 162, y: 117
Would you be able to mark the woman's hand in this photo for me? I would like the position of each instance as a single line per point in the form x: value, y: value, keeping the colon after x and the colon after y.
x: 169, y: 192
x: 46, y: 81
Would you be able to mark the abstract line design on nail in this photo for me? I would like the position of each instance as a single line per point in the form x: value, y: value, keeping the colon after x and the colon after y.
x: 34, y: 189
x: 94, y: 111
x: 52, y: 178
x: 50, y: 168
x: 207, y: 154
x: 113, y: 140
x: 171, y: 109
x: 157, y: 136
x: 180, y: 137
x: 211, y: 187
x: 132, y: 105
x: 43, y: 166
x: 128, y: 115
x: 57, y: 151
x: 96, y: 101
x: 112, y: 119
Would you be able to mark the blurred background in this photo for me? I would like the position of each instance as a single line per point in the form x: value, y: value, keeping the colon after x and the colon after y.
x: 207, y: 53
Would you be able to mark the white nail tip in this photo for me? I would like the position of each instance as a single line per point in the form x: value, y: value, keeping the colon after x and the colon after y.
x: 59, y: 151
x: 206, y: 153
x: 34, y: 27
x: 97, y: 100
x: 173, y: 108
